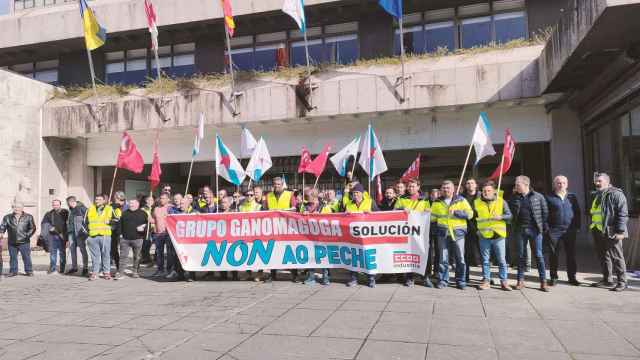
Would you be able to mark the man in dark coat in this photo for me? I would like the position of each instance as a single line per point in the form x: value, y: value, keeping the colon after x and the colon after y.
x: 19, y: 227
x: 564, y: 223
x: 54, y: 230
x: 77, y: 235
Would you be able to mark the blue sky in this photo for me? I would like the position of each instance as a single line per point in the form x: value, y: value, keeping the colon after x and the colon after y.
x: 4, y: 6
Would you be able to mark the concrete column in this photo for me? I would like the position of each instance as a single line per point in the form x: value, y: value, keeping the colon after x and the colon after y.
x: 375, y: 32
x: 566, y: 150
x: 74, y: 68
x: 210, y: 55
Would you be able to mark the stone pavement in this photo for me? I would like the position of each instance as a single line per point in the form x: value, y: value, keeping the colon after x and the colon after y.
x: 68, y: 317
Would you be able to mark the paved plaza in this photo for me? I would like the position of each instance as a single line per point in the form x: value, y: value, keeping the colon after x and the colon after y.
x: 68, y: 317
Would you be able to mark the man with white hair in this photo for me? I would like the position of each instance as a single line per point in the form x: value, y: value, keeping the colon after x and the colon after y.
x: 609, y: 217
x: 19, y: 227
x: 564, y: 223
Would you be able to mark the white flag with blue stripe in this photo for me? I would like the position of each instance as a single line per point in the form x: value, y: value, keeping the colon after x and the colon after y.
x: 482, y: 138
x: 295, y: 9
x: 341, y: 158
x: 199, y: 136
x: 260, y: 161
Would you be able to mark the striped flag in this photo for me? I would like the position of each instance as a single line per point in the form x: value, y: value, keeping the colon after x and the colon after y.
x: 295, y: 9
x: 199, y: 136
x: 482, y: 138
x: 94, y: 34
x: 152, y: 23
x: 371, y: 158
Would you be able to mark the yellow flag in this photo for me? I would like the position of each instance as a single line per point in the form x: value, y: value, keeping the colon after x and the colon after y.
x: 94, y: 34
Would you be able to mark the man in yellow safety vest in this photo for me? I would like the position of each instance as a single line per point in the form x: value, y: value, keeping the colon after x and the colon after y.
x: 98, y: 221
x: 450, y: 214
x: 281, y: 199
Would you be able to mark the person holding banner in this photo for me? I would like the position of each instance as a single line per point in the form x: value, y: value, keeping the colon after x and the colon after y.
x: 433, y: 259
x: 492, y: 215
x: 400, y: 188
x: 414, y: 200
x: 450, y: 213
x: 357, y: 203
x: 313, y: 205
x: 390, y: 200
x: 209, y: 206
x: 250, y: 204
x: 280, y: 199
x: 177, y: 271
x: 530, y: 216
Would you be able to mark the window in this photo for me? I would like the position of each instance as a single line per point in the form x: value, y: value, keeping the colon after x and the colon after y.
x: 510, y: 26
x: 440, y: 35
x: 630, y: 156
x: 270, y: 51
x: 316, y: 47
x: 176, y: 60
x: 413, y: 40
x: 475, y: 32
x: 45, y: 71
x: 342, y: 49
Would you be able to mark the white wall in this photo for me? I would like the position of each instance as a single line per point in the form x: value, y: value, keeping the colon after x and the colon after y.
x: 396, y: 131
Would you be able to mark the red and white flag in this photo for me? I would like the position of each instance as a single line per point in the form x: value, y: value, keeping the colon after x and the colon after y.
x: 156, y: 170
x: 305, y: 160
x: 379, y: 195
x: 316, y: 167
x: 508, y: 152
x: 129, y: 158
x: 152, y: 23
x: 413, y: 172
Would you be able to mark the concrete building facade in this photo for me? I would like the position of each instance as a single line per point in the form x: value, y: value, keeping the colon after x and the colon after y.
x: 470, y: 56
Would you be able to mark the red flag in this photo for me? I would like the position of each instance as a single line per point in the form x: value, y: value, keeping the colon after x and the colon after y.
x: 152, y: 23
x: 413, y: 172
x: 156, y: 170
x: 228, y: 17
x: 316, y: 167
x: 129, y: 158
x: 305, y: 160
x: 508, y: 152
x: 379, y: 196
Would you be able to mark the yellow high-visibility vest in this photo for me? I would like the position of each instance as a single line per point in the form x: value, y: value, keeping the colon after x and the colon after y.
x: 597, y: 222
x: 486, y: 225
x: 249, y: 206
x: 100, y: 222
x: 440, y: 214
x: 365, y: 205
x: 419, y: 204
x: 279, y: 203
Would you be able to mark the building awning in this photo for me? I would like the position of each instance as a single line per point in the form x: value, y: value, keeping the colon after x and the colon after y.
x: 587, y: 40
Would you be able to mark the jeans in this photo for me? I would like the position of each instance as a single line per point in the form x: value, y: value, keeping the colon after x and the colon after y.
x: 173, y: 264
x: 25, y: 252
x: 433, y: 257
x: 1, y: 261
x: 160, y: 241
x: 446, y: 244
x: 311, y: 274
x: 136, y: 245
x: 75, y: 244
x: 100, y: 250
x: 568, y: 241
x: 611, y: 257
x: 498, y: 247
x: 525, y: 237
x: 57, y: 248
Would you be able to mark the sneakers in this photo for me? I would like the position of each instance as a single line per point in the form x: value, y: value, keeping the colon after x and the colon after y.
x: 29, y: 274
x: 441, y: 285
x: 409, y: 283
x: 353, y: 282
x: 620, y: 287
x: 309, y: 281
x: 159, y: 273
x: 552, y: 282
x: 12, y: 275
x: 484, y: 285
x: 107, y: 276
x: 519, y: 285
x: 544, y: 287
x: 505, y: 286
x: 172, y: 275
x: 135, y: 275
x: 325, y: 282
x: 371, y: 283
x: 602, y: 284
x: 575, y: 282
x: 92, y: 277
x: 461, y: 286
x: 72, y: 271
x: 117, y: 276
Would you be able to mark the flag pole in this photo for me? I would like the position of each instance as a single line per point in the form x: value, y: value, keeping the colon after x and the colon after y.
x: 303, y: 181
x: 149, y: 217
x: 464, y: 169
x: 316, y: 183
x: 499, y: 181
x: 306, y: 50
x: 217, y: 191
x: 93, y: 74
x: 113, y: 182
x: 404, y: 86
x: 233, y: 84
x: 186, y: 190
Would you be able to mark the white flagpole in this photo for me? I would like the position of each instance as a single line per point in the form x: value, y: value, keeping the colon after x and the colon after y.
x: 404, y: 86
x: 93, y: 74
x: 466, y: 162
x: 189, y: 177
x: 306, y: 50
x: 233, y: 84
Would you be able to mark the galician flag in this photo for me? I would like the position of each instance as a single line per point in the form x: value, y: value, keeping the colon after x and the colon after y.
x: 295, y: 9
x: 260, y: 161
x: 371, y: 158
x: 247, y: 143
x: 227, y: 165
x: 482, y: 138
x: 341, y: 158
x: 199, y: 136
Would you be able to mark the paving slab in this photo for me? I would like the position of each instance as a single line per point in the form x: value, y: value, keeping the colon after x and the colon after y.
x: 348, y: 324
x: 465, y: 352
x: 460, y: 330
x: 387, y: 350
x: 267, y: 347
x: 405, y: 327
x: 589, y: 337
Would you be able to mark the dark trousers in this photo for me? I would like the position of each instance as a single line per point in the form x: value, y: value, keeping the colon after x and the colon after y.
x: 611, y: 257
x: 433, y: 257
x: 25, y: 251
x: 471, y: 251
x: 136, y: 245
x: 145, y: 252
x: 115, y: 249
x: 568, y: 241
x: 1, y: 261
x: 161, y: 241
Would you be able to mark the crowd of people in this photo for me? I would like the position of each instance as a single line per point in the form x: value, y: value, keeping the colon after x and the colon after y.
x: 469, y: 227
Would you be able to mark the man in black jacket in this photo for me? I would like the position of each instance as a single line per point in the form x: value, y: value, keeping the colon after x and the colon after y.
x: 530, y: 214
x: 471, y: 242
x: 19, y: 227
x: 609, y: 217
x: 132, y: 225
x: 564, y: 223
x: 54, y: 230
x: 77, y: 235
x: 389, y: 201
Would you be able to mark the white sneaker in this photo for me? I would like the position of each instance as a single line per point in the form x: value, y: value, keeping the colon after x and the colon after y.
x: 172, y: 275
